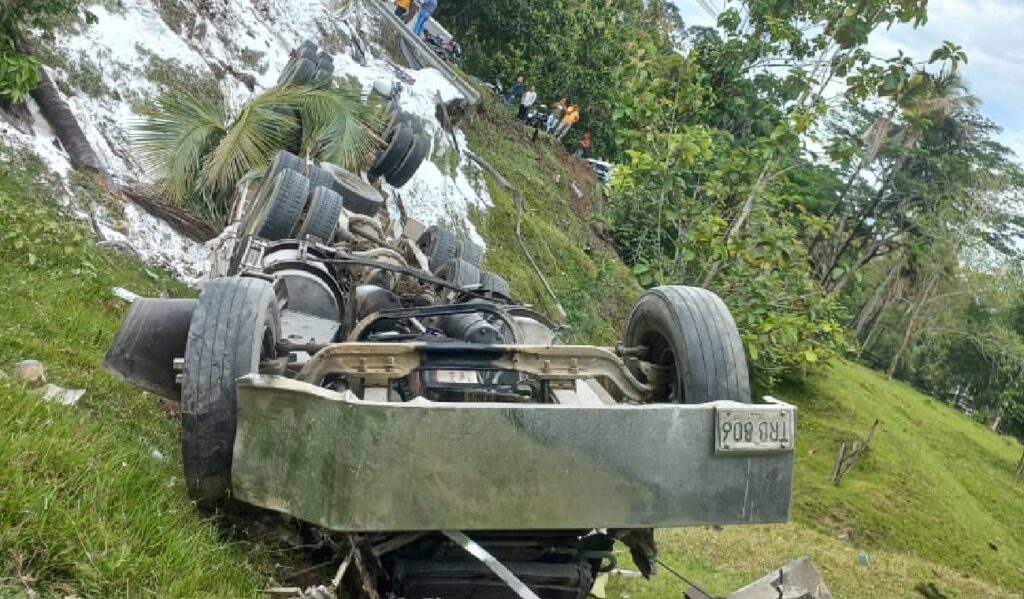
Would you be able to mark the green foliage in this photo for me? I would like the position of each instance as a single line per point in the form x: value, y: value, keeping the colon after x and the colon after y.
x: 19, y: 74
x: 198, y: 154
x: 92, y: 502
x: 566, y: 48
x: 595, y: 289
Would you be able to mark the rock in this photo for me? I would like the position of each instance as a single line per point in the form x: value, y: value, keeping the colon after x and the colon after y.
x: 31, y: 372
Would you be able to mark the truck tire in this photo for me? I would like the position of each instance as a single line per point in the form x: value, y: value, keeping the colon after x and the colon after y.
x: 440, y: 246
x: 390, y: 157
x: 401, y: 175
x: 460, y: 273
x: 318, y: 177
x: 322, y: 217
x: 690, y: 332
x: 493, y: 284
x: 284, y: 160
x: 235, y: 325
x: 302, y: 72
x: 356, y: 194
x: 284, y: 205
x: 470, y: 252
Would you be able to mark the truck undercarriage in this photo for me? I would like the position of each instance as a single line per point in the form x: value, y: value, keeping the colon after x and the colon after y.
x: 367, y: 377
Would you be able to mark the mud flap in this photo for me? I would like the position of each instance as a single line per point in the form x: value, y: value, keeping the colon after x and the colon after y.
x: 152, y: 335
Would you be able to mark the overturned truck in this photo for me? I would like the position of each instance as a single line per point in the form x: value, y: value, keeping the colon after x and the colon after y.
x: 364, y: 375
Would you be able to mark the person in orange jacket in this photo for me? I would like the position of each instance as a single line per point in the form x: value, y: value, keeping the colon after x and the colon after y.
x: 572, y: 115
x: 402, y: 7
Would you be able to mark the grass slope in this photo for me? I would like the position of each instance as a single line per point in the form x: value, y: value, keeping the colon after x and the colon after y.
x: 92, y: 504
x: 595, y: 288
x: 91, y: 498
x: 924, y: 504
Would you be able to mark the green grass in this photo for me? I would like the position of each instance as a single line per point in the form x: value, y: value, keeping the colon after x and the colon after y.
x: 86, y: 509
x: 594, y: 287
x: 923, y: 504
x: 91, y: 497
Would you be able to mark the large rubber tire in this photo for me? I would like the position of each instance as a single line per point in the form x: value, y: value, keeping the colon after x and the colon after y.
x: 401, y: 175
x: 302, y: 52
x: 690, y: 332
x: 494, y: 285
x: 391, y: 157
x: 357, y: 195
x: 235, y: 325
x: 325, y: 62
x: 301, y: 72
x: 284, y: 205
x: 319, y: 177
x: 322, y: 217
x: 440, y: 245
x: 460, y: 273
x: 410, y: 120
x: 470, y: 252
x: 284, y: 160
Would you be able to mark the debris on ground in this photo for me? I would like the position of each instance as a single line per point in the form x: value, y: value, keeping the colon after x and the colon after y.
x: 124, y: 294
x: 65, y: 397
x: 798, y: 579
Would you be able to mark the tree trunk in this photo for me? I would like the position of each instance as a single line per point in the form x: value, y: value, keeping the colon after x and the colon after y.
x: 876, y: 303
x: 911, y: 329
x: 741, y: 219
x: 63, y: 121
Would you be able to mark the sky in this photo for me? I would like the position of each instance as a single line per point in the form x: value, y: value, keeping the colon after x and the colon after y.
x: 990, y: 31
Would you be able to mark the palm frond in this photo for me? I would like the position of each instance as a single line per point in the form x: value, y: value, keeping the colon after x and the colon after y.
x: 262, y: 127
x: 338, y: 127
x: 174, y: 139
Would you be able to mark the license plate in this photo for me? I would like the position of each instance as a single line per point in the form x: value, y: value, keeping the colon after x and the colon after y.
x: 457, y: 377
x: 754, y: 429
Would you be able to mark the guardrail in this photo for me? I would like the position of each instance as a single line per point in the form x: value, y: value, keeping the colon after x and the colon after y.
x: 424, y: 54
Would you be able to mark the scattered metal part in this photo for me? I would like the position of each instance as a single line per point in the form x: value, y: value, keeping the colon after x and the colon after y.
x: 506, y: 575
x: 396, y: 543
x: 124, y: 294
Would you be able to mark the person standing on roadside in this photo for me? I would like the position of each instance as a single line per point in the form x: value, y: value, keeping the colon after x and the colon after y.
x: 584, y: 148
x: 427, y: 8
x: 556, y: 115
x: 528, y: 99
x: 572, y: 115
x: 402, y: 7
x: 516, y: 91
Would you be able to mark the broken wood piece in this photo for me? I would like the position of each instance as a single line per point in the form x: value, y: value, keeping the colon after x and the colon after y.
x: 849, y: 455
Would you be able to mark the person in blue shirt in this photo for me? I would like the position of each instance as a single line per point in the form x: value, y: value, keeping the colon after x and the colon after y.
x: 427, y: 8
x: 517, y: 91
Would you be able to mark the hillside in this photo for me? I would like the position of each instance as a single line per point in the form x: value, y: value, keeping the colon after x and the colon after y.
x: 92, y: 503
x: 935, y: 501
x: 924, y: 505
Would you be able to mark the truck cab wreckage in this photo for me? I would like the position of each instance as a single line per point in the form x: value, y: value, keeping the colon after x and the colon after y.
x: 381, y: 384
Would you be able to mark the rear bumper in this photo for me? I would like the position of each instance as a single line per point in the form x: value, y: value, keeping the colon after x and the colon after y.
x: 349, y: 465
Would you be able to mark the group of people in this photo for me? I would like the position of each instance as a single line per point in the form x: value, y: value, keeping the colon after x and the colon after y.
x: 561, y: 118
x: 421, y: 10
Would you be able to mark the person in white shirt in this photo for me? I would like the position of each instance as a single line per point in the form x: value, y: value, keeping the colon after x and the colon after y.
x: 528, y: 99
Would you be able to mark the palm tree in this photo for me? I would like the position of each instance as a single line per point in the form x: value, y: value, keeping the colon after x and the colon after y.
x: 197, y: 151
x: 932, y: 104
